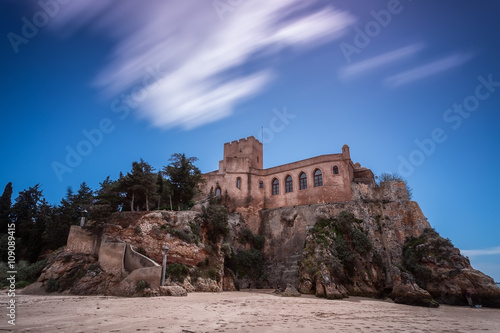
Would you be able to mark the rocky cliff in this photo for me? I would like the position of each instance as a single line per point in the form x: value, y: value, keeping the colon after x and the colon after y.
x: 123, y: 259
x: 378, y: 245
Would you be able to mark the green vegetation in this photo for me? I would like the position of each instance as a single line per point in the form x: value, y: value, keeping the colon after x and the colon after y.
x: 40, y: 227
x: 247, y: 263
x: 257, y: 241
x: 26, y: 273
x: 394, y: 177
x: 335, y: 242
x: 141, y: 285
x: 51, y: 285
x: 177, y: 272
x: 215, y: 218
x: 429, y: 245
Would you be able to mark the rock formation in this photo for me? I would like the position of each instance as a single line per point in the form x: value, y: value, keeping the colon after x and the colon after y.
x: 377, y: 245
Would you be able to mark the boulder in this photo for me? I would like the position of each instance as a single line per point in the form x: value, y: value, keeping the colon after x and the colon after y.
x: 406, y: 291
x: 290, y: 291
x: 172, y: 291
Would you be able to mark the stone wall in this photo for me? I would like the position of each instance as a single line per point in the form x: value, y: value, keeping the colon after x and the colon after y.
x: 240, y: 167
x: 111, y: 255
x: 134, y: 260
x: 81, y: 241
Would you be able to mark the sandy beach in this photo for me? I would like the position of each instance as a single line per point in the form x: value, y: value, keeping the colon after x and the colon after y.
x: 247, y: 311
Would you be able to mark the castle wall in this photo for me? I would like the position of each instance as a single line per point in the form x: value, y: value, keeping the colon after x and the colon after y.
x: 240, y: 176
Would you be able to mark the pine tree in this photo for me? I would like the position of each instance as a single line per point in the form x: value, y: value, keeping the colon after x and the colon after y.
x: 139, y: 185
x: 5, y: 208
x: 184, y: 178
x: 28, y: 214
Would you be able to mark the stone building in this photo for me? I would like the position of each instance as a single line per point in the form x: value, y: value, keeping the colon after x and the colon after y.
x: 244, y: 182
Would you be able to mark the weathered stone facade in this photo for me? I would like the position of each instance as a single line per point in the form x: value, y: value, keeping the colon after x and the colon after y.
x: 321, y: 179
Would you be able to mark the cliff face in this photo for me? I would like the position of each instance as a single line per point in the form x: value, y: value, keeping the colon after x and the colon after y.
x: 388, y: 219
x: 378, y: 244
x: 124, y: 259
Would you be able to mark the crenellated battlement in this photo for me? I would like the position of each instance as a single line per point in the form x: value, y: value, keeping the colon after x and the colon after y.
x: 246, y: 148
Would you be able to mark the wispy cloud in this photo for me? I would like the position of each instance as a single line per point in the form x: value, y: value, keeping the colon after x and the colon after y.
x: 379, y: 61
x: 202, y: 59
x: 483, y: 252
x: 427, y: 70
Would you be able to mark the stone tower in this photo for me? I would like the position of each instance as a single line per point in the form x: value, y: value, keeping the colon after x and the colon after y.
x: 243, y: 155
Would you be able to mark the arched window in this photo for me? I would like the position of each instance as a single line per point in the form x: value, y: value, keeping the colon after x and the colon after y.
x: 261, y: 184
x: 217, y: 191
x: 318, y: 178
x: 238, y: 182
x: 276, y: 186
x: 302, y: 181
x: 288, y: 184
x: 335, y: 170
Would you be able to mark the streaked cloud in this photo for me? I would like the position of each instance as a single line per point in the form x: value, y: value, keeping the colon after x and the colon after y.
x: 482, y: 252
x: 379, y: 61
x: 202, y: 58
x: 427, y: 70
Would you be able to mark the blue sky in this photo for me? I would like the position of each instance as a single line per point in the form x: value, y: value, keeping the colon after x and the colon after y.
x: 412, y: 87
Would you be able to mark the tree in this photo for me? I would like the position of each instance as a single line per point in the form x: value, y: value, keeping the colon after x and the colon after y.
x: 160, y: 187
x: 5, y: 208
x: 29, y: 215
x: 58, y: 224
x: 110, y: 195
x: 394, y: 177
x: 139, y: 185
x: 183, y: 178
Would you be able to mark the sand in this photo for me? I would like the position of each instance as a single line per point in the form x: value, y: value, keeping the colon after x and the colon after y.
x: 247, y: 311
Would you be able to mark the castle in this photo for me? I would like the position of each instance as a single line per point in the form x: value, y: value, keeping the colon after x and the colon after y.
x: 244, y: 182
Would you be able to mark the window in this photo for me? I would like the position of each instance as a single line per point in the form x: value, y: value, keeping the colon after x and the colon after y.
x: 335, y: 170
x: 276, y: 186
x: 318, y: 178
x: 288, y: 184
x: 238, y: 182
x: 217, y: 191
x: 302, y: 181
x: 261, y: 184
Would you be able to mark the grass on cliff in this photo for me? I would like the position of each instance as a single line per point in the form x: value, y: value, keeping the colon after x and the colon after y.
x: 335, y: 243
x: 429, y: 245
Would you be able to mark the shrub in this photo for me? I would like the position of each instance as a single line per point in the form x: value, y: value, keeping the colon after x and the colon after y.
x: 141, y: 285
x: 52, y: 285
x: 31, y: 272
x: 394, y: 177
x: 212, y: 274
x: 196, y: 230
x: 247, y: 264
x: 360, y: 241
x: 21, y: 284
x: 184, y: 236
x: 246, y: 236
x: 216, y: 221
x: 177, y: 272
x: 258, y: 242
